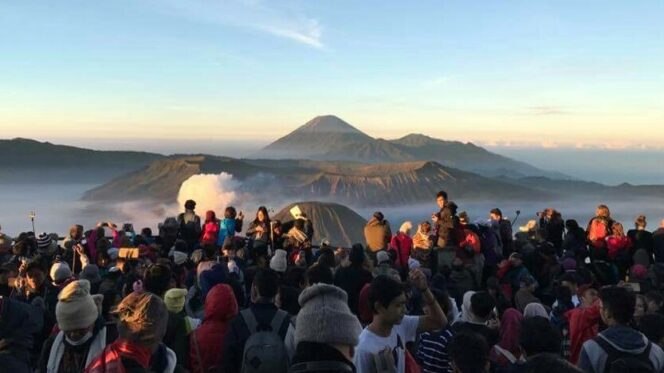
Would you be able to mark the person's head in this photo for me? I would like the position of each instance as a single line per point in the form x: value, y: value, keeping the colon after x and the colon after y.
x: 357, y: 255
x: 441, y: 198
x: 77, y: 311
x: 443, y: 299
x: 142, y: 319
x: 157, y: 279
x: 387, y: 299
x: 286, y: 299
x: 640, y: 307
x: 174, y: 299
x: 549, y: 363
x: 230, y: 213
x: 146, y: 232
x: 496, y: 214
x: 571, y: 225
x: 190, y: 204
x: 482, y: 304
x: 425, y: 227
x: 279, y: 262
x: 641, y: 222
x: 265, y: 285
x: 262, y: 216
x: 655, y: 301
x: 616, y: 305
x: 469, y: 353
x: 652, y: 326
x: 588, y: 295
x: 326, y: 257
x: 516, y: 259
x: 378, y: 216
x: 210, y: 216
x: 76, y: 231
x: 35, y: 276
x: 539, y: 336
x: 406, y: 228
x: 319, y: 274
x: 326, y: 319
x: 570, y: 281
x: 617, y: 230
x: 563, y: 296
x: 603, y: 211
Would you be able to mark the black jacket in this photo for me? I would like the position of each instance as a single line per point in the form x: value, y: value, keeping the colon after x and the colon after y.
x: 308, y: 352
x: 19, y: 322
x: 352, y: 279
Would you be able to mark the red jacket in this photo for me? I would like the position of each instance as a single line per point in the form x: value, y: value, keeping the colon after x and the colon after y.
x: 210, y: 229
x: 403, y: 244
x: 615, y: 245
x: 583, y: 326
x: 220, y: 308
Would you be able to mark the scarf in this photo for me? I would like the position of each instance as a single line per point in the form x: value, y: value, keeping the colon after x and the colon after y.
x: 110, y: 360
x: 58, y: 350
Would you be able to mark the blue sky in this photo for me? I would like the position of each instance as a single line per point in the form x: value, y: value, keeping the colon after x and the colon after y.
x: 585, y: 74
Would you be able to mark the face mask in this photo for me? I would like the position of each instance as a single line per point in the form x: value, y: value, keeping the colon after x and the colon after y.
x: 80, y: 341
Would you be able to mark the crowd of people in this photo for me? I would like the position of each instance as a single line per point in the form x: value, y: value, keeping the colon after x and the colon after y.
x: 449, y: 294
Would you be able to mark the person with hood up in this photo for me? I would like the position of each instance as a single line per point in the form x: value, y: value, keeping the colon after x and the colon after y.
x: 83, y: 334
x: 377, y: 233
x: 19, y: 322
x: 403, y: 244
x: 210, y: 229
x: 327, y: 332
x: 507, y: 352
x: 619, y: 345
x: 583, y: 322
x: 207, y: 342
x: 141, y: 327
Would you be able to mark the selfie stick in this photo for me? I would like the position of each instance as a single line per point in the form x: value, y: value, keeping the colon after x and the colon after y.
x: 518, y: 212
x: 32, y: 218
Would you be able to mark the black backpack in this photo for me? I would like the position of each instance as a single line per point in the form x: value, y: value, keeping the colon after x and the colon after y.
x: 623, y: 362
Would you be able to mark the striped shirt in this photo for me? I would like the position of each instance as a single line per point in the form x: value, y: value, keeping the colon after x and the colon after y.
x: 432, y: 352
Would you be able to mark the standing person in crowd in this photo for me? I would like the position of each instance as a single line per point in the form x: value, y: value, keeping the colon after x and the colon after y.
x: 210, y: 234
x: 422, y: 244
x: 377, y: 233
x: 444, y: 221
x: 640, y: 237
x: 230, y: 224
x: 259, y: 229
x: 599, y: 228
x: 658, y: 243
x: 83, y: 333
x: 619, y: 346
x: 505, y: 228
x: 19, y: 323
x: 618, y: 246
x: 190, y: 225
x: 402, y: 243
x: 142, y: 319
x: 207, y: 342
x: 479, y: 317
x: 432, y: 349
x: 574, y: 243
x: 352, y: 279
x: 552, y: 227
x: 262, y: 315
x: 327, y: 332
x: 391, y: 329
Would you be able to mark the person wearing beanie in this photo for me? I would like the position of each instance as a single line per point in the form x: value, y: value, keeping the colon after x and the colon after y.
x: 59, y: 273
x: 327, y: 332
x: 207, y: 342
x: 352, y: 279
x: 174, y: 300
x: 179, y: 258
x: 279, y: 262
x: 82, y: 335
x: 142, y: 320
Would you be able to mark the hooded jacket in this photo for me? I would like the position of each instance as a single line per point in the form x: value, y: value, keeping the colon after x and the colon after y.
x: 207, y: 342
x: 583, y: 325
x: 624, y: 339
x: 210, y: 229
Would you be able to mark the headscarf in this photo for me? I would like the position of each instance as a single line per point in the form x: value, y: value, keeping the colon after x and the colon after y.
x: 467, y: 314
x: 510, y: 329
x: 535, y: 310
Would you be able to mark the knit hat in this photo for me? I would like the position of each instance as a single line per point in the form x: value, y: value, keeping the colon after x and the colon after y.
x: 174, y: 299
x: 43, y: 241
x: 76, y: 308
x: 325, y: 317
x: 179, y: 258
x: 216, y: 275
x: 60, y: 271
x: 382, y: 257
x: 90, y: 273
x: 279, y: 263
x: 142, y: 319
x: 413, y: 264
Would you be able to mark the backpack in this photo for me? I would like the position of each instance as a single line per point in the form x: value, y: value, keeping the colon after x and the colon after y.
x: 599, y: 230
x: 264, y: 351
x: 623, y: 362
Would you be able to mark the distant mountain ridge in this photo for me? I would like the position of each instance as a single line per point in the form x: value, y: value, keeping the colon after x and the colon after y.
x: 331, y: 138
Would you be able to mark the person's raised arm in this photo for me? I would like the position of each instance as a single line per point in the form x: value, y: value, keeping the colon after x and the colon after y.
x: 434, y: 318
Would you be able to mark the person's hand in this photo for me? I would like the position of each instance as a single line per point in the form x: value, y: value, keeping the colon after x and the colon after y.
x: 240, y: 216
x: 260, y: 229
x: 386, y: 360
x: 493, y: 323
x: 434, y: 218
x: 240, y: 253
x: 79, y: 249
x: 418, y: 279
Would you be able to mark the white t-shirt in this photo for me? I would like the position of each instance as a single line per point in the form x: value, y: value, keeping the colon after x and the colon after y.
x: 371, y: 344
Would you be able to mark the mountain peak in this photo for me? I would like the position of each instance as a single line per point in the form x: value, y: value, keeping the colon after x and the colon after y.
x: 329, y: 124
